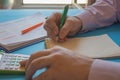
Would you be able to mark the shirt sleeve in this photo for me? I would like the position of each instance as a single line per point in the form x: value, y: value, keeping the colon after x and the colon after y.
x: 102, y: 13
x: 104, y: 70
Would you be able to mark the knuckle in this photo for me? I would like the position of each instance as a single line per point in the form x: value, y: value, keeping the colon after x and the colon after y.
x: 32, y: 64
x: 45, y: 27
x: 56, y: 56
x: 57, y: 14
x: 56, y: 48
x: 47, y: 21
x: 32, y: 55
x: 69, y: 20
x: 65, y: 28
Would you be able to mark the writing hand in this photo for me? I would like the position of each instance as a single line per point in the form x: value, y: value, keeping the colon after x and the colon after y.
x: 71, y: 27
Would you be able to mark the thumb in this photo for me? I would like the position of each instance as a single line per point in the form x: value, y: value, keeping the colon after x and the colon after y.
x: 64, y: 31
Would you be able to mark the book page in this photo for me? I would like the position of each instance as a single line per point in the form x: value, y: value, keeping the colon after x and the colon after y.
x: 10, y: 32
x: 95, y: 47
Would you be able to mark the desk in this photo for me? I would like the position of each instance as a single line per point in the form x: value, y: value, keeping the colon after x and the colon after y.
x: 7, y: 15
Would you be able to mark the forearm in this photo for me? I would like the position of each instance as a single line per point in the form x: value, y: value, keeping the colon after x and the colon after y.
x: 100, y: 14
x: 104, y: 70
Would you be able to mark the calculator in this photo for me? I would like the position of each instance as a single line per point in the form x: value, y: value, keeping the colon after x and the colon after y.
x: 9, y: 63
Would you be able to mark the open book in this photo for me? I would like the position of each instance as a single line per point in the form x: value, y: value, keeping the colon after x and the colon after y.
x: 94, y: 47
x: 11, y: 37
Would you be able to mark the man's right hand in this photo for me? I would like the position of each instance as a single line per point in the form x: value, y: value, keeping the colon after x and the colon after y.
x: 71, y: 26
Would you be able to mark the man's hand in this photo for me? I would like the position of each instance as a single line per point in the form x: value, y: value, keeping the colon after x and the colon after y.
x: 71, y: 26
x: 61, y: 64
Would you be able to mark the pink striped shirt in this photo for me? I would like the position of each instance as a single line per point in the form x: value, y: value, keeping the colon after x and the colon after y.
x: 100, y: 14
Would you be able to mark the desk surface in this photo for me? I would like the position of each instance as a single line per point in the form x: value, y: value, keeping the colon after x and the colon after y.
x: 7, y: 15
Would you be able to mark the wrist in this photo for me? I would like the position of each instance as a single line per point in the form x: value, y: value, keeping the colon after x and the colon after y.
x: 80, y: 23
x: 85, y: 67
x: 90, y: 62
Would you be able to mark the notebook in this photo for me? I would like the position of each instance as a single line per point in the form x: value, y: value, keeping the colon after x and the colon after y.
x: 11, y: 37
x: 101, y: 46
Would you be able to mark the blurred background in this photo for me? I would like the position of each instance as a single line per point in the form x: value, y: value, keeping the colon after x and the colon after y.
x: 6, y: 4
x: 42, y: 4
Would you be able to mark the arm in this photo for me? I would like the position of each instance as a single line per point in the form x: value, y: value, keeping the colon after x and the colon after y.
x: 104, y: 70
x: 100, y: 14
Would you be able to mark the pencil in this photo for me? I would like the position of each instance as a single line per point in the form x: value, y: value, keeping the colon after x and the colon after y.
x: 31, y: 28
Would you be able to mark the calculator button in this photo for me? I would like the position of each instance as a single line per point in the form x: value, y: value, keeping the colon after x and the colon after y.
x: 4, y: 61
x: 13, y: 58
x: 17, y: 64
x: 6, y: 68
x: 16, y: 68
x: 13, y: 62
x: 7, y: 64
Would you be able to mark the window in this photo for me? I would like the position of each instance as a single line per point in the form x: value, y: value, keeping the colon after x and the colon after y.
x: 49, y: 3
x: 53, y: 1
x: 82, y: 1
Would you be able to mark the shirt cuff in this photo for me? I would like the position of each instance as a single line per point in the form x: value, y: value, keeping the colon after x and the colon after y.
x: 104, y: 70
x: 88, y: 21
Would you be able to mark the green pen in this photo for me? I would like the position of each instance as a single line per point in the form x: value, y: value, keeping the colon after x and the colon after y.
x: 63, y: 16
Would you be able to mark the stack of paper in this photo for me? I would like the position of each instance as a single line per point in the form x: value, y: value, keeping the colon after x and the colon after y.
x: 11, y: 37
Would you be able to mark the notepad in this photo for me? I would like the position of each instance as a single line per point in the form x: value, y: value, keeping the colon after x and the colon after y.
x: 11, y: 37
x: 101, y: 46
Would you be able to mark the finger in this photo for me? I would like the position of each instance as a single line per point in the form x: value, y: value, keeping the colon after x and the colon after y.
x: 23, y: 63
x: 52, y: 25
x: 36, y: 64
x: 37, y: 55
x: 50, y: 33
x: 50, y: 28
x: 56, y: 17
x: 53, y: 37
x: 64, y: 30
x: 55, y: 28
x: 61, y: 40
